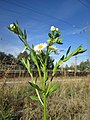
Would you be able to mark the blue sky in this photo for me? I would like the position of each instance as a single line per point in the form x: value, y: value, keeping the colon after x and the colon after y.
x: 72, y: 17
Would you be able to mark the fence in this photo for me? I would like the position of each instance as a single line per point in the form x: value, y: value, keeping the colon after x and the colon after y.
x: 24, y: 73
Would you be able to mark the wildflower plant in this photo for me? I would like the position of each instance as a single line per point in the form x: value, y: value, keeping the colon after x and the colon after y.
x: 39, y: 55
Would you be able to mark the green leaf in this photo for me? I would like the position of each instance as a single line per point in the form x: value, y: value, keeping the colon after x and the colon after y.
x: 80, y: 51
x: 57, y: 65
x: 23, y: 61
x: 20, y: 37
x: 18, y: 29
x: 33, y: 56
x: 36, y: 87
x: 28, y: 65
x: 34, y: 98
x: 59, y: 41
x: 57, y: 34
x: 25, y: 35
x: 68, y: 51
x: 49, y: 34
x: 62, y: 58
x: 83, y: 51
x: 54, y: 87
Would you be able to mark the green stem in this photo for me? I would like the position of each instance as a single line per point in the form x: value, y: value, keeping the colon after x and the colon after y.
x: 31, y: 75
x: 44, y: 117
x: 39, y: 97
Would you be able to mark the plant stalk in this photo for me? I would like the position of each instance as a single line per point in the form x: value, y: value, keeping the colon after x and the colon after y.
x: 39, y: 97
x: 44, y: 117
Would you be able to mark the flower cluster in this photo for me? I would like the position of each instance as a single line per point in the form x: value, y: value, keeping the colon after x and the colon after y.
x: 53, y: 29
x: 54, y: 36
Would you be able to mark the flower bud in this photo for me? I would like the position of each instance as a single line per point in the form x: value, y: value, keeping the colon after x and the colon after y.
x: 52, y: 29
x: 53, y: 49
x: 12, y: 27
x: 57, y: 29
x: 48, y: 40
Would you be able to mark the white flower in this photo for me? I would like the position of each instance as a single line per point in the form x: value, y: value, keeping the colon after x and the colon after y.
x: 52, y: 29
x: 38, y: 48
x: 12, y: 26
x: 57, y: 29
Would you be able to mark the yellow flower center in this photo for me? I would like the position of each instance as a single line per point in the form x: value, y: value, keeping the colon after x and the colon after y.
x: 40, y: 46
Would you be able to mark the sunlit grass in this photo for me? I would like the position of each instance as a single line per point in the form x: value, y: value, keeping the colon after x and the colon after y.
x: 70, y: 102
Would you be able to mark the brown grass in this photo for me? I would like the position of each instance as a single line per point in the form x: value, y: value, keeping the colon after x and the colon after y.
x: 70, y: 102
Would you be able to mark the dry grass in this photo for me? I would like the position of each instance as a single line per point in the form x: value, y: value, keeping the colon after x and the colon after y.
x: 70, y: 102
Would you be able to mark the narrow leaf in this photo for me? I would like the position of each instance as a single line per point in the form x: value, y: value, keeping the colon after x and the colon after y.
x: 35, y: 86
x: 25, y: 35
x: 62, y: 57
x: 23, y: 61
x: 57, y: 65
x: 57, y: 35
x: 80, y: 52
x: 28, y: 65
x: 59, y: 40
x: 68, y: 51
x: 49, y: 35
x: 33, y: 56
x: 54, y: 87
x: 18, y: 29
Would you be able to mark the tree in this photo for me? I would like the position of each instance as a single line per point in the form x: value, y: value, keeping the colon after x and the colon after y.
x: 84, y: 65
x: 6, y: 59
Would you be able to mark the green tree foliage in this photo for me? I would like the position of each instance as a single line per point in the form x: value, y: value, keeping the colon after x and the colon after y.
x: 6, y: 59
x: 84, y: 65
x: 9, y: 59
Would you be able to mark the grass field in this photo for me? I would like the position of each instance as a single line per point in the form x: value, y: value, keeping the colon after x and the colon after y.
x: 70, y: 102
